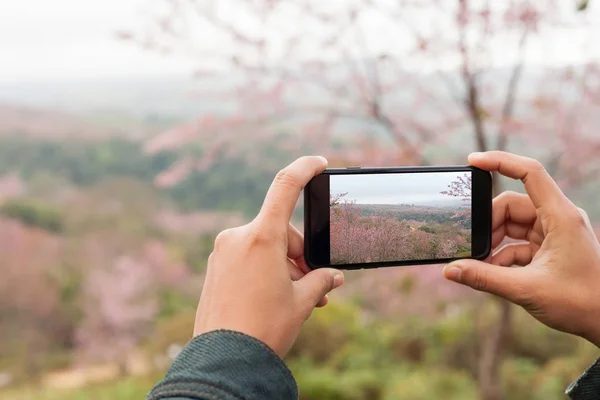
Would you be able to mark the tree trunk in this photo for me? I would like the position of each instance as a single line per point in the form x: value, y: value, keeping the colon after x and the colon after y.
x: 492, y: 351
x: 492, y: 354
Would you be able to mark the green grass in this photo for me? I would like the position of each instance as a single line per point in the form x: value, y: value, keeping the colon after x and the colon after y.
x: 125, y: 389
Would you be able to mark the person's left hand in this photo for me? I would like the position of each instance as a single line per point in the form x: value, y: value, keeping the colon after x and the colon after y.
x: 257, y: 281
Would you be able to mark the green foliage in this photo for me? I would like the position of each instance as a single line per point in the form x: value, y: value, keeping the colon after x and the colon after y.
x: 197, y: 250
x: 226, y: 185
x: 125, y: 389
x: 34, y: 214
x: 463, y: 251
x: 517, y: 374
x: 81, y: 162
x: 173, y: 329
x: 537, y: 342
x: 432, y: 383
x: 318, y: 383
x: 430, y: 215
x: 524, y: 379
x: 326, y: 332
x: 427, y: 229
x: 174, y: 301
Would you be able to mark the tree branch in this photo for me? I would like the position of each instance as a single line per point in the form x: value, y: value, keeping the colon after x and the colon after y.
x: 511, y: 92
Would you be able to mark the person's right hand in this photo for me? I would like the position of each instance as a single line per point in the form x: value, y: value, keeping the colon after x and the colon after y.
x: 560, y: 282
x: 257, y: 281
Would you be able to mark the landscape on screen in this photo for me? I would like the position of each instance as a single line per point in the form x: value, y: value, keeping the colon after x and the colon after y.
x: 399, y: 217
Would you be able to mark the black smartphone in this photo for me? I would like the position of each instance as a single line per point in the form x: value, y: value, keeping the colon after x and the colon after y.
x: 357, y: 218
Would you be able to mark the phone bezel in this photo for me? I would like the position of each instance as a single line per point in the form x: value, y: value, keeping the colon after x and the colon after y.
x: 316, y: 215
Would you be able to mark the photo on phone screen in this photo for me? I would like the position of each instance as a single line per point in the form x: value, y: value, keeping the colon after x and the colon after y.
x: 371, y: 218
x: 399, y: 217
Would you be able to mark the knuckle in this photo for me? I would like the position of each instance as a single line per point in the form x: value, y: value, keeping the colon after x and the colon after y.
x: 211, y: 261
x: 507, y: 195
x: 535, y: 165
x: 480, y: 282
x: 259, y: 237
x: 286, y: 178
x: 477, y: 279
x: 524, y: 298
x: 575, y: 216
x: 326, y: 283
x: 551, y: 220
x: 223, y: 238
x: 583, y: 215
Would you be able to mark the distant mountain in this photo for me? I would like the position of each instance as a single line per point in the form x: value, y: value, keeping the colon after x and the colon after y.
x: 449, y: 202
x: 183, y: 97
x: 45, y: 124
x: 177, y: 98
x: 52, y: 124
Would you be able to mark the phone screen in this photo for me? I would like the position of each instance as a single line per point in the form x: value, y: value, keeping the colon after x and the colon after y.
x: 397, y: 216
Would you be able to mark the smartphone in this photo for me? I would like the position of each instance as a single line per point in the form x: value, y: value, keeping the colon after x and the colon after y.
x: 356, y: 218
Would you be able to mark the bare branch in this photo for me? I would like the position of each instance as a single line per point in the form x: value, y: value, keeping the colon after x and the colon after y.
x: 511, y: 92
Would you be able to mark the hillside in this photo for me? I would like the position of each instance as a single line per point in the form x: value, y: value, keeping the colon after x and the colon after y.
x: 53, y: 124
x: 419, y: 213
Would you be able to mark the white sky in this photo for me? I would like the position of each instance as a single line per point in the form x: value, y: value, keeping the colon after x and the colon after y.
x: 56, y: 39
x: 394, y: 188
x: 74, y: 39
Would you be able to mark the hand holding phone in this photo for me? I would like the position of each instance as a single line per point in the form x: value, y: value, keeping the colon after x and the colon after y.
x: 374, y: 217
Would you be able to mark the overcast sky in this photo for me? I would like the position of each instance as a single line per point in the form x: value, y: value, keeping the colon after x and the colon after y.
x: 394, y: 188
x: 57, y: 39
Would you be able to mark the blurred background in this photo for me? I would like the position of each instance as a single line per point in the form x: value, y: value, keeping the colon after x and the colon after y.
x: 133, y: 131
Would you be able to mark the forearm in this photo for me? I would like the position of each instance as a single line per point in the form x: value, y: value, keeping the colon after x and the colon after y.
x: 226, y: 365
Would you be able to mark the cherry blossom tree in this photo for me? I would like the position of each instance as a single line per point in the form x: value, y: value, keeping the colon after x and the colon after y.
x: 31, y: 318
x: 378, y: 82
x: 120, y: 305
x: 359, y: 236
x: 460, y: 187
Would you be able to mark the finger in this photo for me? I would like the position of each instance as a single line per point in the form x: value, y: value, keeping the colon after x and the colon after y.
x: 295, y: 242
x: 512, y: 206
x: 542, y: 189
x: 283, y: 194
x: 295, y: 273
x: 296, y: 248
x: 323, y: 301
x: 313, y: 287
x: 513, y: 215
x: 510, y: 283
x: 511, y: 230
x: 513, y: 254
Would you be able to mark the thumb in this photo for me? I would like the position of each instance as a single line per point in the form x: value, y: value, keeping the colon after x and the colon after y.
x: 316, y: 284
x: 501, y: 281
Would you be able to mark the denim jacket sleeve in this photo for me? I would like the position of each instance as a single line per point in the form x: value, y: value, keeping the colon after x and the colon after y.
x: 587, y: 387
x: 226, y: 365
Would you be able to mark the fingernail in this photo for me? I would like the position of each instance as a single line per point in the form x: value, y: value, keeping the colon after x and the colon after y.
x: 338, y: 279
x: 452, y: 273
x: 477, y: 154
x: 323, y: 159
